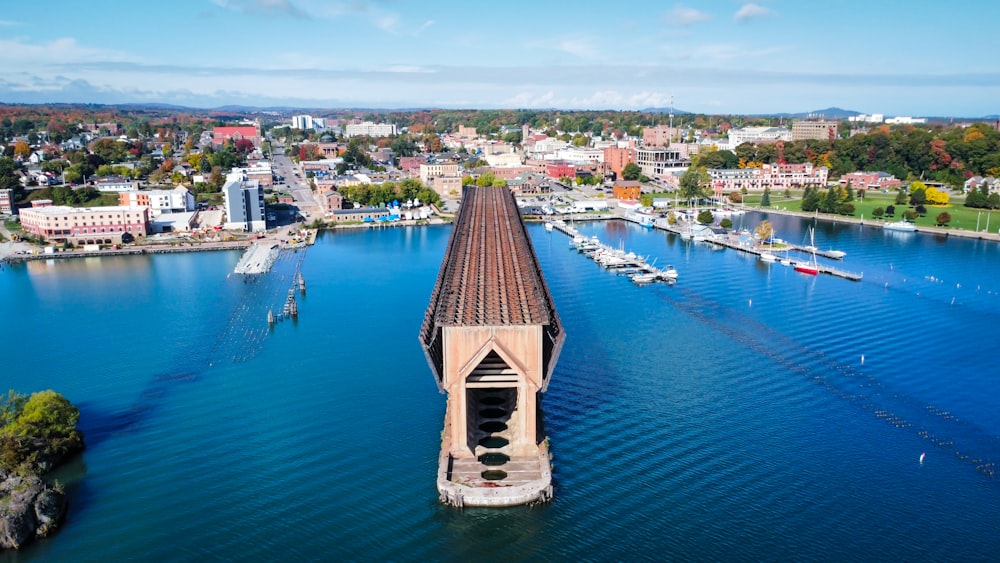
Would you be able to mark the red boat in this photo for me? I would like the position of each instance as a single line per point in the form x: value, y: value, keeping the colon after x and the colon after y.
x: 811, y: 268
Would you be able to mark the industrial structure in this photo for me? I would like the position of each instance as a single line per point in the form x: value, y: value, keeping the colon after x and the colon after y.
x: 492, y: 338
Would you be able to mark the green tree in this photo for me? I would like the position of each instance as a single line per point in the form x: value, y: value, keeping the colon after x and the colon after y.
x: 693, y: 182
x: 39, y: 431
x: 878, y: 212
x: 765, y: 200
x: 901, y: 197
x: 631, y: 172
x: 705, y: 217
x: 726, y: 223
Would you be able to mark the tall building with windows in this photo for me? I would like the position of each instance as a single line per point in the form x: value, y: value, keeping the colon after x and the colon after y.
x: 821, y: 130
x: 244, y: 203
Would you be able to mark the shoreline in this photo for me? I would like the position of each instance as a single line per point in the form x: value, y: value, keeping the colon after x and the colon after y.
x: 982, y: 235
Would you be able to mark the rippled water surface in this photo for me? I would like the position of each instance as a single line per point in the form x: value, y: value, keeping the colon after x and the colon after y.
x: 749, y: 412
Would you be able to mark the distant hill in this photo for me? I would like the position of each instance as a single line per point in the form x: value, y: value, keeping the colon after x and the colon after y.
x: 828, y: 113
x: 665, y: 110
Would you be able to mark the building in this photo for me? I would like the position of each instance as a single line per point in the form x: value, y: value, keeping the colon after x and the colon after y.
x: 871, y: 181
x: 773, y: 176
x: 233, y: 134
x: 370, y: 129
x: 244, y: 200
x: 114, y: 184
x: 617, y: 157
x: 332, y: 201
x: 821, y: 130
x: 260, y: 171
x: 627, y: 190
x: 756, y: 135
x: 659, y: 136
x: 177, y: 200
x: 7, y: 201
x: 308, y: 122
x: 557, y: 170
x: 658, y: 162
x: 86, y: 225
x: 364, y: 215
x: 973, y: 183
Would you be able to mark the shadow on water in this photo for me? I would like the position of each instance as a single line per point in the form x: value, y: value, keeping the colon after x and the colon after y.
x: 97, y: 425
x: 239, y: 341
x: 936, y: 426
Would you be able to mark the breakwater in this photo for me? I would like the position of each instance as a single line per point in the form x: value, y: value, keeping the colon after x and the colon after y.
x: 130, y: 251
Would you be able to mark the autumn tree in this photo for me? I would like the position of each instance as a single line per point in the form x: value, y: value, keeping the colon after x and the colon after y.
x: 764, y: 231
x: 943, y: 218
x: 22, y: 150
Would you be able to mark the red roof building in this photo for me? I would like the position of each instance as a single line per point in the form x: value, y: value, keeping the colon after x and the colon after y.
x: 249, y: 132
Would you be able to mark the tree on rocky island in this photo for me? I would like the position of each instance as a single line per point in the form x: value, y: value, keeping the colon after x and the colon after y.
x: 37, y: 433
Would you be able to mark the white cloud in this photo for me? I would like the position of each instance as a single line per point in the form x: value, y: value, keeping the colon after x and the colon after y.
x: 682, y: 15
x: 8, y: 23
x: 422, y: 27
x: 14, y: 52
x: 751, y: 11
x: 581, y: 48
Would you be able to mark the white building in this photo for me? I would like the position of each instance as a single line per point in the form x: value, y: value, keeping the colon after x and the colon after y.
x: 754, y: 135
x: 370, y: 129
x: 159, y: 201
x: 903, y: 120
x: 862, y: 118
x: 244, y: 203
x: 308, y: 122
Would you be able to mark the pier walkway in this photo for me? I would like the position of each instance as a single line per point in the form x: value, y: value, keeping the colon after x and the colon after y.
x: 492, y: 337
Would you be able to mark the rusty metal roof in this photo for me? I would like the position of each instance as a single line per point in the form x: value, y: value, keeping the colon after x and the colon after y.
x: 490, y: 275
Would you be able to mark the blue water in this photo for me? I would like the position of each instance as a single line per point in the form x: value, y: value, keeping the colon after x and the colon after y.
x: 728, y: 417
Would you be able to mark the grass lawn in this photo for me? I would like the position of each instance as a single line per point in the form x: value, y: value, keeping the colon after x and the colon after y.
x: 12, y: 226
x: 961, y: 217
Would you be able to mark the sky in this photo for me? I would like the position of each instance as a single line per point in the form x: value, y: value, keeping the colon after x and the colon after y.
x: 895, y: 57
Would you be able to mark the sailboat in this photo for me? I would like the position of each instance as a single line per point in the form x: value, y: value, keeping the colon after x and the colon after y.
x: 811, y: 268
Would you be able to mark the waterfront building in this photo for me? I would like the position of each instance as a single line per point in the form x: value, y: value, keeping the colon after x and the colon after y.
x: 7, y: 201
x: 871, y: 181
x: 159, y: 201
x: 244, y: 200
x: 969, y: 185
x: 821, y: 130
x: 627, y: 190
x: 366, y: 215
x: 86, y: 225
x: 774, y: 176
x: 332, y: 201
x: 370, y: 129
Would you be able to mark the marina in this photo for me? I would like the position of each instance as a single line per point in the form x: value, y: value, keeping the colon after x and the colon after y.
x: 620, y: 261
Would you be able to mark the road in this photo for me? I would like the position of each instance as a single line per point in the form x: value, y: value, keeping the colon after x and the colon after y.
x: 293, y: 181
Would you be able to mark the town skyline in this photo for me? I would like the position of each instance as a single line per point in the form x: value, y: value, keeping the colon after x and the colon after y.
x: 710, y: 57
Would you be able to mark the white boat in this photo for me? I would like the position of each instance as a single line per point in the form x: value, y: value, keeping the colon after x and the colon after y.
x: 768, y: 257
x: 548, y: 226
x: 669, y: 274
x: 900, y: 226
x: 642, y: 279
x: 836, y: 254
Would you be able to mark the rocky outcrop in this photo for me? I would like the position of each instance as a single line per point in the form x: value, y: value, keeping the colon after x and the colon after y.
x: 29, y: 508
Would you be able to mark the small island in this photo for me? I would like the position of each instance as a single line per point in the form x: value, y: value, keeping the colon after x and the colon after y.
x: 37, y: 433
